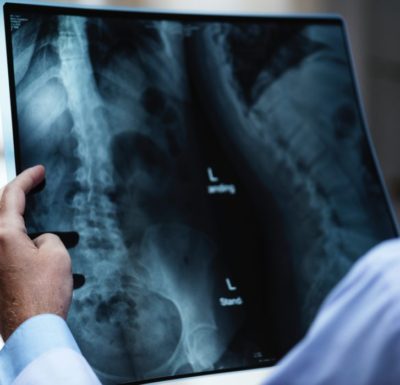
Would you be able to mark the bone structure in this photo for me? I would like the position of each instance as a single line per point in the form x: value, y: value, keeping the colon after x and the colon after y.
x: 132, y: 119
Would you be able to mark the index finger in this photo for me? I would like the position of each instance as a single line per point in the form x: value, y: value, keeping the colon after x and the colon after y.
x: 12, y: 201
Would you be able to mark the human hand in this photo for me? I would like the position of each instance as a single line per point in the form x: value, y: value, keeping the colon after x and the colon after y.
x: 35, y: 275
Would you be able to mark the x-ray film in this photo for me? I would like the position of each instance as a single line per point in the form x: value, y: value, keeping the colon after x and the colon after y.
x: 215, y: 170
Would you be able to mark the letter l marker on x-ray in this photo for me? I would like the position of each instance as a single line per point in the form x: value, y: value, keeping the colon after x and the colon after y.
x: 229, y: 284
x: 211, y: 176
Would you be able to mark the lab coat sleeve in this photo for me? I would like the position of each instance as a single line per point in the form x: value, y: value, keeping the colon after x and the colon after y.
x: 42, y: 351
x: 355, y: 339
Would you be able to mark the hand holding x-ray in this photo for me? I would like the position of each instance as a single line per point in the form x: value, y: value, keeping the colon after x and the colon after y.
x: 35, y: 275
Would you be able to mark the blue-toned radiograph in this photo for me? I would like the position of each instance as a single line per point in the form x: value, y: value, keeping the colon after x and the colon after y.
x: 134, y: 296
x: 298, y: 128
x: 217, y: 174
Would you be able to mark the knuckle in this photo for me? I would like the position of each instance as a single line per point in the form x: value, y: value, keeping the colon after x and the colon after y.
x: 40, y: 238
x: 67, y: 262
x: 63, y: 259
x: 7, y: 234
x: 47, y: 237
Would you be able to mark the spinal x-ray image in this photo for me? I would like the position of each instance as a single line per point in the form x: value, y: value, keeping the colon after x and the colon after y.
x: 216, y: 170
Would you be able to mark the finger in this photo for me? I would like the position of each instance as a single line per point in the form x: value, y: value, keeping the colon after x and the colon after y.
x: 49, y: 241
x: 53, y: 251
x: 28, y: 179
x: 13, y: 195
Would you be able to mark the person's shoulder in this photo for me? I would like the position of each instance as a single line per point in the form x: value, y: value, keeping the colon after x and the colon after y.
x: 383, y: 261
x: 385, y: 254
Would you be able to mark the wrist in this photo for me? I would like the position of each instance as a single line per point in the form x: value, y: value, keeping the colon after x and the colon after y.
x: 17, y: 310
x: 12, y: 317
x: 13, y: 314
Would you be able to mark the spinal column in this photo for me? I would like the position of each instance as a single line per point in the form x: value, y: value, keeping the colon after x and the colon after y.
x: 101, y: 248
x: 128, y: 326
x: 93, y: 211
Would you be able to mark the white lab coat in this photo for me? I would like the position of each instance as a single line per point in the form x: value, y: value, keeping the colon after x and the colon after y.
x: 61, y: 366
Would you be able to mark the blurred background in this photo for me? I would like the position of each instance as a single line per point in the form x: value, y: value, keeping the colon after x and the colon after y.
x: 374, y: 30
